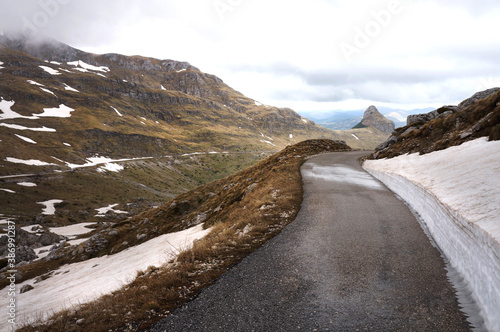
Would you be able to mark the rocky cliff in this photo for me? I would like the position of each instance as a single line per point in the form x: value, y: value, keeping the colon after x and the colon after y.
x: 477, y: 116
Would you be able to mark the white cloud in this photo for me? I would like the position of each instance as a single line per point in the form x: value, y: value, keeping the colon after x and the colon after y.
x: 288, y: 53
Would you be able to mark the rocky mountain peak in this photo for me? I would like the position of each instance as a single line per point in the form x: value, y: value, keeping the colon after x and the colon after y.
x: 372, y: 117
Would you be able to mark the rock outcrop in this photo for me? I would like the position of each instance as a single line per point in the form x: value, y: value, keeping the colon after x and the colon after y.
x: 372, y: 117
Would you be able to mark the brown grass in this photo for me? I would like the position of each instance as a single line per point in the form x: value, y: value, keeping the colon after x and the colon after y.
x: 244, y: 210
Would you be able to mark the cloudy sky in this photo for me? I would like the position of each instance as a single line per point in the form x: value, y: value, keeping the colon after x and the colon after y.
x: 307, y: 55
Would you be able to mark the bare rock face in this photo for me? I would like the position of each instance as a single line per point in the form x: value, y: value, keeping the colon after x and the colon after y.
x: 374, y: 118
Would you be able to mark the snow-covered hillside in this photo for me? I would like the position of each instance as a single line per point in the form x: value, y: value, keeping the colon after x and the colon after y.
x: 86, y: 281
x: 457, y: 194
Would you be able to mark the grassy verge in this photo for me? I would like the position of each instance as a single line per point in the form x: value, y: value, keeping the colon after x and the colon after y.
x: 244, y: 210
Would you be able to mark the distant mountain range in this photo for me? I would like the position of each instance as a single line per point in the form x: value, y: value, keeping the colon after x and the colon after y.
x: 346, y: 119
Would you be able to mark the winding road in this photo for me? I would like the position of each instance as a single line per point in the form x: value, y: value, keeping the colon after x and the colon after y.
x: 355, y: 259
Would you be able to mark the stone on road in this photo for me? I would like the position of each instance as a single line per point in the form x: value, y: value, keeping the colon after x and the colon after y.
x: 355, y: 259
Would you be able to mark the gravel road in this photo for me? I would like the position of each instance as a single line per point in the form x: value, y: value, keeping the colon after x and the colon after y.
x: 355, y: 259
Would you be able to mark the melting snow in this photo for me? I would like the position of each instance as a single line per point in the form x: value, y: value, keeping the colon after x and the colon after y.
x: 35, y: 83
x: 111, y: 167
x: 8, y: 190
x: 72, y: 230
x: 356, y: 137
x: 50, y: 70
x: 62, y: 111
x: 1, y: 63
x: 86, y: 66
x: 67, y: 144
x: 102, y: 211
x: 83, y: 282
x: 50, y: 209
x: 8, y: 113
x: 163, y: 88
x: 13, y: 126
x: 26, y: 139
x: 48, y: 91
x: 457, y: 193
x: 26, y: 184
x: 94, y: 161
x: 31, y: 162
x: 67, y: 87
x: 116, y: 111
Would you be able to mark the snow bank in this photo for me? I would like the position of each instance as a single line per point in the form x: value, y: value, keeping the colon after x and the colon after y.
x: 86, y: 281
x: 1, y: 63
x: 457, y: 193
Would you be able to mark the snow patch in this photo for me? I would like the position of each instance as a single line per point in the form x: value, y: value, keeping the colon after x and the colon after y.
x: 48, y: 91
x: 162, y: 87
x: 30, y: 162
x: 62, y: 111
x: 1, y: 63
x: 72, y: 230
x: 8, y: 113
x: 50, y: 208
x: 116, y: 111
x: 18, y: 127
x: 35, y: 83
x: 111, y: 167
x: 26, y: 139
x: 49, y: 70
x: 291, y: 136
x: 86, y: 281
x: 67, y: 144
x: 457, y: 193
x: 101, y: 212
x: 26, y: 184
x: 86, y: 66
x: 8, y: 191
x: 356, y: 137
x: 180, y: 71
x: 67, y: 87
x: 94, y: 161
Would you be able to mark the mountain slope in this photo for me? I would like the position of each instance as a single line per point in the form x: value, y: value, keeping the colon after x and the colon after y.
x: 93, y: 130
x: 372, y: 117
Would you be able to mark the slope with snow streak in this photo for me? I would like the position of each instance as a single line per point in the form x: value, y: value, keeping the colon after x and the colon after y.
x: 457, y: 193
x: 86, y: 281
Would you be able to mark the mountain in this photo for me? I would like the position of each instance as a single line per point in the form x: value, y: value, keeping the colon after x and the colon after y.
x: 96, y: 130
x: 345, y: 120
x: 373, y: 118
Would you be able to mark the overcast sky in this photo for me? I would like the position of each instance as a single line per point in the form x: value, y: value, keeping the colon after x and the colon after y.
x: 307, y: 55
